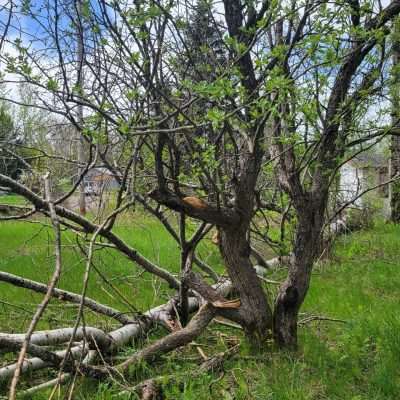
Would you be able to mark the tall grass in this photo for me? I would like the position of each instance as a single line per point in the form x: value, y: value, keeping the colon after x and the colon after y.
x: 355, y: 360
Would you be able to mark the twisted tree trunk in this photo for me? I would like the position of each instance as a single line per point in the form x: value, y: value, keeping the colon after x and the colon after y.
x: 254, y: 309
x: 294, y: 289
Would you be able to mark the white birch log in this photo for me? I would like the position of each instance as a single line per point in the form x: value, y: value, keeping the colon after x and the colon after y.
x: 58, y: 336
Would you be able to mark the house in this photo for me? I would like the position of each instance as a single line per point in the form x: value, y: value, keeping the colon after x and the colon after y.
x: 99, y: 180
x: 362, y: 172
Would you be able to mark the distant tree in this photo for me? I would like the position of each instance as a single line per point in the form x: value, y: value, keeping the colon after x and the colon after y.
x: 204, y: 51
x: 10, y: 163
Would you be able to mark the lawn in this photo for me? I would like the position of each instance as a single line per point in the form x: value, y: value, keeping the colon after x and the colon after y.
x: 13, y: 199
x: 357, y: 359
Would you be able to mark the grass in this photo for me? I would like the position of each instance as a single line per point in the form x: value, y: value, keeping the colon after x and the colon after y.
x: 356, y: 360
x: 27, y: 250
x: 13, y: 199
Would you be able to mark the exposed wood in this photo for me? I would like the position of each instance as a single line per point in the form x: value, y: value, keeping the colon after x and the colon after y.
x: 195, y: 202
x: 229, y: 304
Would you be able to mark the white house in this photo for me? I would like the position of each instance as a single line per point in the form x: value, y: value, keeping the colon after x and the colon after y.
x: 99, y: 180
x: 363, y: 172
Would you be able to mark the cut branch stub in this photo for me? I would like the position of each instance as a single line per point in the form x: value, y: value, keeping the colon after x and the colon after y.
x: 196, y: 208
x: 229, y: 304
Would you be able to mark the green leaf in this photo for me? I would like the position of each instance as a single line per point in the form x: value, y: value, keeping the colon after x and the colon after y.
x: 52, y: 85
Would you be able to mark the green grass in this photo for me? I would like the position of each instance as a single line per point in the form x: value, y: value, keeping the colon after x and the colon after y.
x: 356, y: 360
x: 13, y: 199
x: 27, y: 250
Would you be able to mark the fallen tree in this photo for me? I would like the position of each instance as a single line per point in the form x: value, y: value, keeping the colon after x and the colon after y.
x: 108, y: 343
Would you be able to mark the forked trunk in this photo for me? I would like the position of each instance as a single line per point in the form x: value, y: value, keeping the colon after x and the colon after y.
x: 288, y: 302
x: 254, y: 309
x: 293, y: 291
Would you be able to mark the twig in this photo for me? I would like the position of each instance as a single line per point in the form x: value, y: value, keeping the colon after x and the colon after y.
x: 65, y: 295
x: 86, y: 281
x: 320, y: 318
x: 211, y: 364
x: 226, y: 323
x: 42, y: 307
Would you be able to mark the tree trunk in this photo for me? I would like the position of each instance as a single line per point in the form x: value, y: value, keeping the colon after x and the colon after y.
x: 293, y: 291
x: 394, y: 187
x: 80, y: 141
x: 186, y: 266
x: 394, y: 162
x: 254, y: 309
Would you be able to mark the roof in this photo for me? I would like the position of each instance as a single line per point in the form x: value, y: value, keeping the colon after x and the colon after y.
x: 99, y: 173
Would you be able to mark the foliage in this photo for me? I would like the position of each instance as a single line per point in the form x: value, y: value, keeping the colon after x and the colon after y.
x: 9, y: 165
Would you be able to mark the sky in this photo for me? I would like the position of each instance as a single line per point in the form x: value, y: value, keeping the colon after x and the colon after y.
x: 30, y: 27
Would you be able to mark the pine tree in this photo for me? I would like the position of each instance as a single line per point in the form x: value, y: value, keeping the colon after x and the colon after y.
x: 9, y: 164
x: 205, y: 53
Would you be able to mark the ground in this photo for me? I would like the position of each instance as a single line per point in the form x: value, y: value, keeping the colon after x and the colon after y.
x: 357, y: 359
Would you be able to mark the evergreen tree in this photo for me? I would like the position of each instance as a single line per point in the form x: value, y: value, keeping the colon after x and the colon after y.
x: 205, y: 53
x: 9, y: 164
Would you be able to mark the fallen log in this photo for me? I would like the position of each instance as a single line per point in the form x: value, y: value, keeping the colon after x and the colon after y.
x: 10, y: 208
x: 36, y: 363
x: 120, y: 337
x: 65, y: 295
x: 58, y: 336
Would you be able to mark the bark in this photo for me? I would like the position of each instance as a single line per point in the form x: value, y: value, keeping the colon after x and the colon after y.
x: 66, y: 296
x: 90, y: 227
x: 259, y: 258
x: 149, y: 390
x: 175, y: 339
x: 186, y: 261
x: 79, y: 140
x: 41, y: 308
x: 394, y: 191
x: 62, y: 335
x: 254, y: 310
x: 294, y: 289
x: 119, y: 337
x: 209, y: 213
x: 57, y: 381
x: 394, y: 162
x: 206, y: 269
x: 36, y: 363
x: 122, y: 336
x: 213, y: 364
